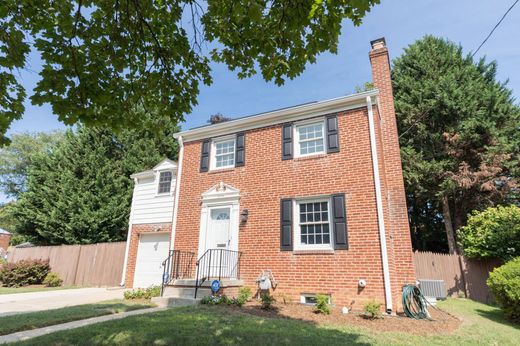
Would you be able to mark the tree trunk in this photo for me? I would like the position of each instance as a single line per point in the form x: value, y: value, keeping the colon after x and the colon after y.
x: 448, y: 225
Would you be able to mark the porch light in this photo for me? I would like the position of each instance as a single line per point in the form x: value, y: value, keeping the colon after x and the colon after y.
x: 243, y: 216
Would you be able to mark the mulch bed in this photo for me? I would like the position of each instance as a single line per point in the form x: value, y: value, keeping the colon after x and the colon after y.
x: 441, y: 323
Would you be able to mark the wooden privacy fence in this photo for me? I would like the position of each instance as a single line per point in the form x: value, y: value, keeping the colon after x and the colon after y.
x: 82, y: 265
x: 459, y: 273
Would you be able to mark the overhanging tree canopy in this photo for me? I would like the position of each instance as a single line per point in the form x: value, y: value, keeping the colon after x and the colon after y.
x: 103, y: 57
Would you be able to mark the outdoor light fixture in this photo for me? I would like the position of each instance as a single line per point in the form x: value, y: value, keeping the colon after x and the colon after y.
x: 243, y: 216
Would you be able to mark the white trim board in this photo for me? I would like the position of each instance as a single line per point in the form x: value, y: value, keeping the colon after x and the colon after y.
x: 296, y: 113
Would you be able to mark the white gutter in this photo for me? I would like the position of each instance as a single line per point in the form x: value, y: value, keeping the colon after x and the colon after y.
x: 379, y: 203
x: 279, y: 116
x: 128, y: 237
x: 177, y: 191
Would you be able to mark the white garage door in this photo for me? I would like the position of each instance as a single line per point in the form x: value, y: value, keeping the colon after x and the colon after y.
x: 152, y: 251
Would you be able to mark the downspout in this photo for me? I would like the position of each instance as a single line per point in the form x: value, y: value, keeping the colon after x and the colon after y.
x: 177, y: 192
x: 379, y: 204
x: 128, y: 237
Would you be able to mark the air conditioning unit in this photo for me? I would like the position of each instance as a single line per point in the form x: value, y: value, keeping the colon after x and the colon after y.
x: 433, y: 288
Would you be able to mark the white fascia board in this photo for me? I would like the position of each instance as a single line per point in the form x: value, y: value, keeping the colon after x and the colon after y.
x: 296, y: 113
x: 141, y: 175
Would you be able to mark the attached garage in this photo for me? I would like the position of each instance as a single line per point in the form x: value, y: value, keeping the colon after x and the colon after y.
x: 151, y: 252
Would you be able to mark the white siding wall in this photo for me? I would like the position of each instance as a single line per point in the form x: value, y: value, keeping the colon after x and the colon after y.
x: 147, y: 207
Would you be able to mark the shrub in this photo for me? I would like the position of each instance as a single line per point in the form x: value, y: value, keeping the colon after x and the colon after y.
x: 267, y: 300
x: 143, y: 293
x: 504, y: 283
x: 23, y: 273
x: 52, y: 280
x: 373, y: 310
x: 216, y: 300
x: 494, y: 232
x: 244, y: 294
x: 322, y: 304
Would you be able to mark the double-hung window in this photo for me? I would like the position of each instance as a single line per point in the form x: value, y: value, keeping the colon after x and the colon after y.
x: 223, y: 153
x: 313, y: 227
x: 165, y: 182
x: 310, y: 139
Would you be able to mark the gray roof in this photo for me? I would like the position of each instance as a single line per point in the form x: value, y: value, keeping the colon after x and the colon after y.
x: 3, y: 231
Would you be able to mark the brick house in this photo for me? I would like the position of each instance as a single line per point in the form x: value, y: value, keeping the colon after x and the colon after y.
x: 313, y: 193
x: 5, y: 238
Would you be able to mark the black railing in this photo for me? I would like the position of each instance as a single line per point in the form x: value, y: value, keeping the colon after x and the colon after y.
x: 178, y: 265
x: 217, y: 264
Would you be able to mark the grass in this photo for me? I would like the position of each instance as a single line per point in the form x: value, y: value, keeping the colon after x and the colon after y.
x: 13, y: 290
x: 203, y: 325
x: 32, y: 320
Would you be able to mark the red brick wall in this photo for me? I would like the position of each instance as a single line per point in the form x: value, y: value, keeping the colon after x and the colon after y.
x: 265, y: 179
x: 4, y: 241
x: 134, y: 242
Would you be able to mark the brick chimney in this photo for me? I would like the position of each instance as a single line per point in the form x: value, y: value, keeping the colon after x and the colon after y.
x: 398, y: 230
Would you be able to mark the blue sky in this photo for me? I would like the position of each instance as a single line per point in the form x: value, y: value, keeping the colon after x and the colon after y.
x: 400, y: 22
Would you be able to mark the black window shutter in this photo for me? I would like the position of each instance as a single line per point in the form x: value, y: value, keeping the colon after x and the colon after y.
x: 204, y: 156
x: 287, y: 141
x: 240, y: 150
x: 286, y: 225
x: 339, y: 220
x: 332, y: 134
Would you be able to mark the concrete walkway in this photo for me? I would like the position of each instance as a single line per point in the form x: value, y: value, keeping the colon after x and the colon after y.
x: 20, y: 336
x: 37, y: 301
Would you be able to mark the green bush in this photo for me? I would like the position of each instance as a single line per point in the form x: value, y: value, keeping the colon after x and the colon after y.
x: 267, y: 300
x: 216, y: 300
x: 494, y: 232
x: 23, y: 273
x: 52, y: 280
x: 504, y: 283
x: 244, y: 294
x: 143, y: 293
x: 373, y: 310
x: 322, y: 304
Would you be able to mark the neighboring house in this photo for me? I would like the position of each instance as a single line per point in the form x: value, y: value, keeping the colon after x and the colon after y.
x: 312, y: 193
x: 5, y: 237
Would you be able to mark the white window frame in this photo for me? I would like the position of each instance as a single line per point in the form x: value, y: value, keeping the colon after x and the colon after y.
x: 305, y: 296
x: 298, y: 246
x: 213, y: 152
x: 158, y: 178
x: 296, y: 136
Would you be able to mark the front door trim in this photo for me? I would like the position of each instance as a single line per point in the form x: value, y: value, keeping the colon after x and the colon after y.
x: 221, y: 195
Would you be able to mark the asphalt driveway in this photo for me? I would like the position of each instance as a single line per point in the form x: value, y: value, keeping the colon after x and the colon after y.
x: 38, y: 301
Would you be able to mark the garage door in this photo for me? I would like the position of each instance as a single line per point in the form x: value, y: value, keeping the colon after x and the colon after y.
x: 152, y: 251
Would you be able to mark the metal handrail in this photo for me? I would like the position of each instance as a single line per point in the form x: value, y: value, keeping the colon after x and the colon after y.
x: 219, y: 264
x: 177, y: 265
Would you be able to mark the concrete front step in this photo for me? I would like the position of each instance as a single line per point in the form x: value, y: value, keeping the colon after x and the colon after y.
x: 174, y: 301
x: 223, y: 283
x: 185, y: 292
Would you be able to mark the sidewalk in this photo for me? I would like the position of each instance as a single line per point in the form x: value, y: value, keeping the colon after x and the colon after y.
x: 28, y: 334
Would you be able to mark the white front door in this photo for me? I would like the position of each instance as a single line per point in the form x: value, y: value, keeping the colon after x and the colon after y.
x: 218, y: 234
x: 152, y: 251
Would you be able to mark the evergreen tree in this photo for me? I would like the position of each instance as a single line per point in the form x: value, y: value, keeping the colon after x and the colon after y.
x: 80, y: 193
x: 459, y: 136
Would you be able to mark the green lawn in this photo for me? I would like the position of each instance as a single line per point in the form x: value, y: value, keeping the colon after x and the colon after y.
x: 32, y: 320
x: 12, y: 290
x: 202, y: 325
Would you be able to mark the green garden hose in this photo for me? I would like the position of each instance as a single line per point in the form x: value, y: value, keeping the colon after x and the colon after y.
x: 414, y: 303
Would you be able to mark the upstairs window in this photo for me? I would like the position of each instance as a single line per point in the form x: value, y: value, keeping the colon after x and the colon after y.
x: 165, y: 182
x: 310, y: 139
x: 224, y: 153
